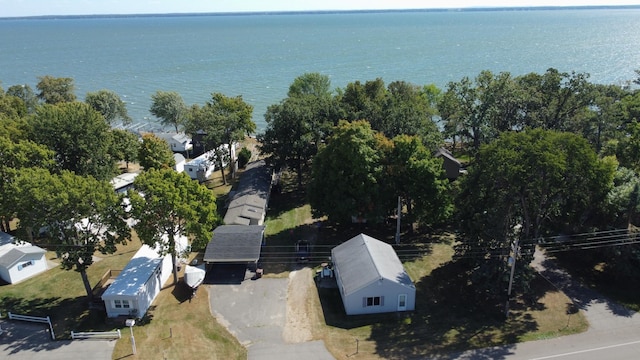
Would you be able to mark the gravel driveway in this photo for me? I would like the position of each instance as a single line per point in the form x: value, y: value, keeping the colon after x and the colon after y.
x: 257, y: 312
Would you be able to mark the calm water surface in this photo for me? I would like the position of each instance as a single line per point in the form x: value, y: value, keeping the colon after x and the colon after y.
x: 258, y: 56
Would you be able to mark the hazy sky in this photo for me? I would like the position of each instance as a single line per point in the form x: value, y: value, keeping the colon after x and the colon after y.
x: 84, y: 7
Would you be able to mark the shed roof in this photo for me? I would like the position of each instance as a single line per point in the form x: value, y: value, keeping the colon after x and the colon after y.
x: 364, y: 260
x: 235, y: 244
x: 5, y: 238
x: 12, y: 254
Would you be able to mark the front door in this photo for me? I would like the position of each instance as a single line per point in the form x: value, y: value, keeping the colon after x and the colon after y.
x: 402, y: 302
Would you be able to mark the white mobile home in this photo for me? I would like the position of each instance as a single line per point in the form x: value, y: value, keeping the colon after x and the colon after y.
x: 138, y: 284
x: 123, y: 182
x: 201, y: 167
x: 179, y: 142
x: 371, y: 278
x: 20, y: 261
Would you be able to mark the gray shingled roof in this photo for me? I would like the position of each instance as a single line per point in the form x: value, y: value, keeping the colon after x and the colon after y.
x: 235, y: 244
x: 13, y: 256
x: 364, y: 260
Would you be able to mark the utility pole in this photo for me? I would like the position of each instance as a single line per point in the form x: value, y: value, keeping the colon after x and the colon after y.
x: 512, y: 262
x: 398, y: 220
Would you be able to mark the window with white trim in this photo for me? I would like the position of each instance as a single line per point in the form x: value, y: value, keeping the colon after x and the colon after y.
x: 25, y: 264
x: 373, y: 301
x: 121, y: 304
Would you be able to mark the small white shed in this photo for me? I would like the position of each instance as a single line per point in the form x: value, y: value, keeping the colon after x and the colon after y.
x: 138, y: 284
x: 20, y: 261
x: 371, y: 278
x: 180, y: 161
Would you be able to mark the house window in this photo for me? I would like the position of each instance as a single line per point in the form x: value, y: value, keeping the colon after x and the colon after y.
x: 121, y: 304
x: 373, y: 301
x: 25, y: 264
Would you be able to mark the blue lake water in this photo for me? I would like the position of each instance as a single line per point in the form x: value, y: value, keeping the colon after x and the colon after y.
x: 258, y: 56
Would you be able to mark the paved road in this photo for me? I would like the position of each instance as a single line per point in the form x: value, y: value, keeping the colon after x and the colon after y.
x: 613, y: 334
x: 23, y: 340
x: 254, y: 311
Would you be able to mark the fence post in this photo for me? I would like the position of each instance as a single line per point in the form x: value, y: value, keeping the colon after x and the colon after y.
x: 53, y: 336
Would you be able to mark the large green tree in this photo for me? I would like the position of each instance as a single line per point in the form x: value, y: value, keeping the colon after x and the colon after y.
x: 125, y: 146
x: 414, y: 174
x: 169, y: 107
x: 24, y: 92
x: 53, y: 90
x: 299, y: 124
x: 16, y: 157
x: 79, y: 136
x: 223, y: 121
x: 346, y: 173
x: 81, y: 215
x: 155, y: 153
x: 110, y: 105
x: 525, y: 186
x: 173, y: 205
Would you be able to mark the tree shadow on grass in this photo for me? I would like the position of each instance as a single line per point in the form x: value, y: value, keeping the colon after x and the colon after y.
x: 446, y: 320
x: 66, y: 314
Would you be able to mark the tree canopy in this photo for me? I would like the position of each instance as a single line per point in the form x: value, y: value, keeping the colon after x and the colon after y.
x: 526, y: 185
x: 155, y: 153
x: 110, y: 105
x: 53, y: 90
x: 79, y: 136
x: 173, y: 205
x: 81, y: 215
x: 169, y: 107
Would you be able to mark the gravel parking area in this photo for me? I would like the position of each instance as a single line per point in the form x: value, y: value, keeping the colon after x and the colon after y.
x: 268, y: 316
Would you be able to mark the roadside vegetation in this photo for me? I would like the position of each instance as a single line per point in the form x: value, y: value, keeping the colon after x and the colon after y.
x: 548, y: 160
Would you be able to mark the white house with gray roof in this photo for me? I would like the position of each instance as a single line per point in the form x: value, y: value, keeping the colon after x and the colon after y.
x: 20, y: 261
x: 371, y: 278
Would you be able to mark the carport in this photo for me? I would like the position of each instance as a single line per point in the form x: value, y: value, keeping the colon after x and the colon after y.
x: 231, y: 249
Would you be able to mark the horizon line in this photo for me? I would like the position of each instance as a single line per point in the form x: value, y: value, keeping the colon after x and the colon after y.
x: 320, y: 12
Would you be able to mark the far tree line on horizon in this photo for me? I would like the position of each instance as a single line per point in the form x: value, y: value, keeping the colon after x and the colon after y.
x: 546, y: 154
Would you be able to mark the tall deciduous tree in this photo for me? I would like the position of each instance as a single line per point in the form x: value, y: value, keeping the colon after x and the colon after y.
x: 300, y: 123
x: 125, y: 146
x: 16, y: 157
x: 526, y: 185
x: 53, y: 90
x: 79, y: 136
x: 223, y: 121
x: 169, y: 107
x: 346, y: 173
x: 81, y: 214
x: 155, y: 153
x: 414, y: 174
x: 110, y: 105
x: 24, y: 92
x: 173, y: 205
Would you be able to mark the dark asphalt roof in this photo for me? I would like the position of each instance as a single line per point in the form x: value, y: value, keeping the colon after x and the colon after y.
x: 235, y: 244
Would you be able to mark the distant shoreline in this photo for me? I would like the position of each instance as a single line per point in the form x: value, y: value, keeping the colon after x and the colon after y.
x: 322, y: 12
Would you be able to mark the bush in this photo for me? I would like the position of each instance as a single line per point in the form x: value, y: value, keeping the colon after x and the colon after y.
x: 243, y: 157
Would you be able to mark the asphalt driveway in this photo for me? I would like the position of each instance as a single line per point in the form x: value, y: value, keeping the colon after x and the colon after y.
x: 23, y: 340
x: 254, y: 311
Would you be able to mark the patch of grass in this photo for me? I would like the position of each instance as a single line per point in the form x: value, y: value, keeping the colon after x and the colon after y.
x: 176, y: 327
x: 444, y: 320
x: 60, y: 293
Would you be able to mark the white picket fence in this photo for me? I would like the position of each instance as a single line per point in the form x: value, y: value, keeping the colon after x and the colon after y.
x: 36, y: 319
x: 96, y: 335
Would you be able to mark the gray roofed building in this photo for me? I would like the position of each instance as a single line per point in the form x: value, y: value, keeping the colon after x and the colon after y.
x: 19, y: 262
x: 235, y: 244
x: 248, y: 205
x: 371, y: 278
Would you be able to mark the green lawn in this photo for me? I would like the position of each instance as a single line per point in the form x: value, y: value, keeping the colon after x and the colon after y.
x: 60, y: 293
